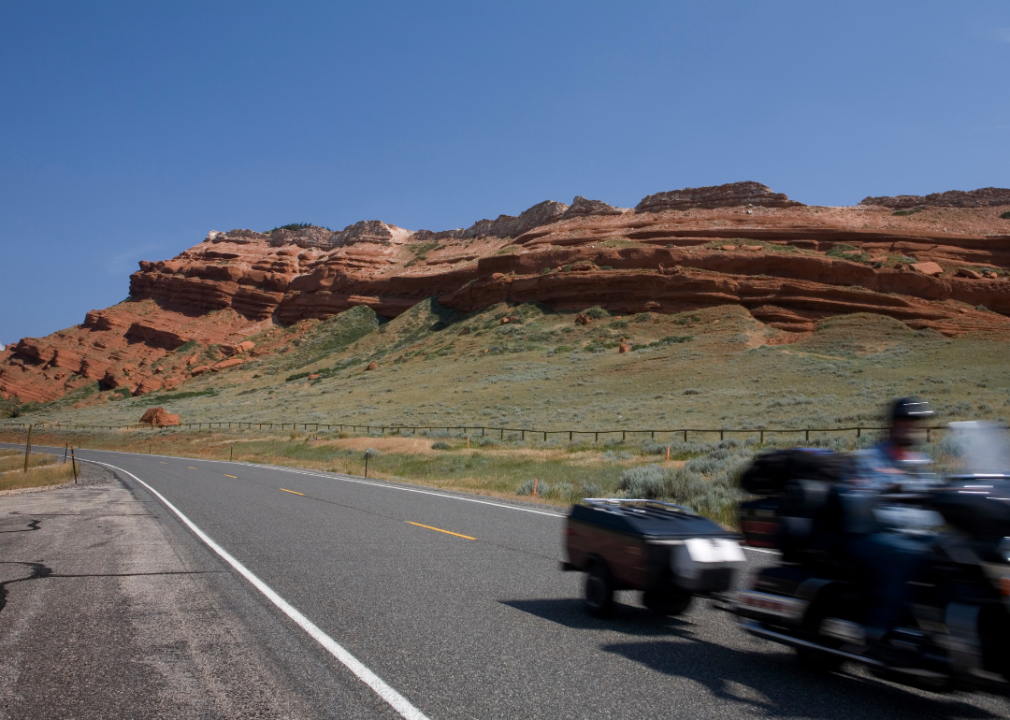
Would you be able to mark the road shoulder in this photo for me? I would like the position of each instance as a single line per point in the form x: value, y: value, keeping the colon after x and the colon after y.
x: 110, y: 608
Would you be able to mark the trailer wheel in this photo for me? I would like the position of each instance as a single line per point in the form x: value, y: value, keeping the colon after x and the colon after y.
x: 599, y: 590
x: 671, y: 602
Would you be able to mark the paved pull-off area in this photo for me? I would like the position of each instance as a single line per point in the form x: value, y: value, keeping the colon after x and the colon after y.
x: 283, y: 593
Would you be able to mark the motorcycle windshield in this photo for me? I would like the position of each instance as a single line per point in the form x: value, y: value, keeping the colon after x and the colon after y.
x: 979, y: 447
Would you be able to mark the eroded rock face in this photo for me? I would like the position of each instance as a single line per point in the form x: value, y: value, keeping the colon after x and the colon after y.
x: 717, y: 196
x: 514, y: 226
x: 581, y: 207
x: 984, y: 197
x: 194, y: 314
x: 313, y: 236
x: 159, y: 417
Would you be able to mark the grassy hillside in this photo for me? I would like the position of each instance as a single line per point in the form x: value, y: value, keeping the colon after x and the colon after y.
x: 714, y: 368
x: 710, y: 368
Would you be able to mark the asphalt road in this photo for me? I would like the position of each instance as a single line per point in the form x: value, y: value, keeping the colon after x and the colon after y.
x: 458, y: 605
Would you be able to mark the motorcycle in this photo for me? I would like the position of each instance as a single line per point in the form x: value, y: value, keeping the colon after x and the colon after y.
x: 956, y: 629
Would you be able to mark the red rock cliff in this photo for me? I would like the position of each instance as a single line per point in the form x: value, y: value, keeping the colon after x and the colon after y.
x: 944, y: 267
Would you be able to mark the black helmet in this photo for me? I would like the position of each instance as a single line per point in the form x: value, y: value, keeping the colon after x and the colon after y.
x: 909, y: 408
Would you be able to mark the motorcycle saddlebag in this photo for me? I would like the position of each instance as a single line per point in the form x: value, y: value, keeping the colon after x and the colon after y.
x: 771, y: 472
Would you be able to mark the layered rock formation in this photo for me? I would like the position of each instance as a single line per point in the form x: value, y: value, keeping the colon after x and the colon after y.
x: 790, y: 265
x: 984, y: 197
x: 716, y: 196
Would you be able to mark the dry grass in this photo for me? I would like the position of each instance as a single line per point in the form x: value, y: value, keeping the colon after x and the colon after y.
x: 40, y: 475
x: 15, y: 460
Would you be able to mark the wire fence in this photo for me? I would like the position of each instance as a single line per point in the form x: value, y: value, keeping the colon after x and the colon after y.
x: 682, y: 433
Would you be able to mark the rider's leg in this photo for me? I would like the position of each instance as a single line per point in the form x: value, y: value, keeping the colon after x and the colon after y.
x: 894, y: 561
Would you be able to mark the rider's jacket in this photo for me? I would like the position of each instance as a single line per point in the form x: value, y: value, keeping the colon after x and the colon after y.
x: 886, y: 468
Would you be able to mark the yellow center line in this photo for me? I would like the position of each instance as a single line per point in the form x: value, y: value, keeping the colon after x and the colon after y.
x: 293, y: 492
x: 163, y: 463
x: 447, y: 532
x: 231, y: 476
x: 192, y: 468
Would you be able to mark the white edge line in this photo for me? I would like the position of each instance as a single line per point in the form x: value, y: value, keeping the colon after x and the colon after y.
x: 391, y: 696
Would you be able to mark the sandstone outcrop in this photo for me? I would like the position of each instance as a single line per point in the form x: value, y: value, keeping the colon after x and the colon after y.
x: 581, y: 207
x: 159, y: 417
x: 984, y: 197
x: 717, y: 196
x: 514, y: 226
x: 195, y: 313
x: 927, y: 268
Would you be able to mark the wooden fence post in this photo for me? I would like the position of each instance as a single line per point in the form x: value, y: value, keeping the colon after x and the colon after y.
x: 28, y: 446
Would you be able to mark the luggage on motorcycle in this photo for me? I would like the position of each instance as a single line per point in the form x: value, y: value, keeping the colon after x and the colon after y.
x: 772, y: 472
x: 799, y: 508
x: 759, y: 522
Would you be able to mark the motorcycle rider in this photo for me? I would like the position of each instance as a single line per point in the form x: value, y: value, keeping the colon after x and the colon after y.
x: 891, y: 541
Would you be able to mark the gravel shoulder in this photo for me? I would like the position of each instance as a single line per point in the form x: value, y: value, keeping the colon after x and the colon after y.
x: 110, y: 608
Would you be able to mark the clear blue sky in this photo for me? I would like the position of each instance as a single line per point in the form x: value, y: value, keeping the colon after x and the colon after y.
x: 128, y: 130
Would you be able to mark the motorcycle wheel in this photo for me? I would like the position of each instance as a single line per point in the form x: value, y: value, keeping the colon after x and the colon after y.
x: 599, y: 591
x: 819, y: 662
x: 671, y: 602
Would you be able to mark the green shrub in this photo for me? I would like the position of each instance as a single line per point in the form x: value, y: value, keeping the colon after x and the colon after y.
x: 909, y: 211
x: 186, y: 346
x: 590, y: 490
x: 670, y: 340
x: 840, y: 250
x: 1006, y: 215
x: 294, y: 226
x: 156, y: 399
x: 440, y: 445
x: 561, y: 491
x: 646, y: 482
